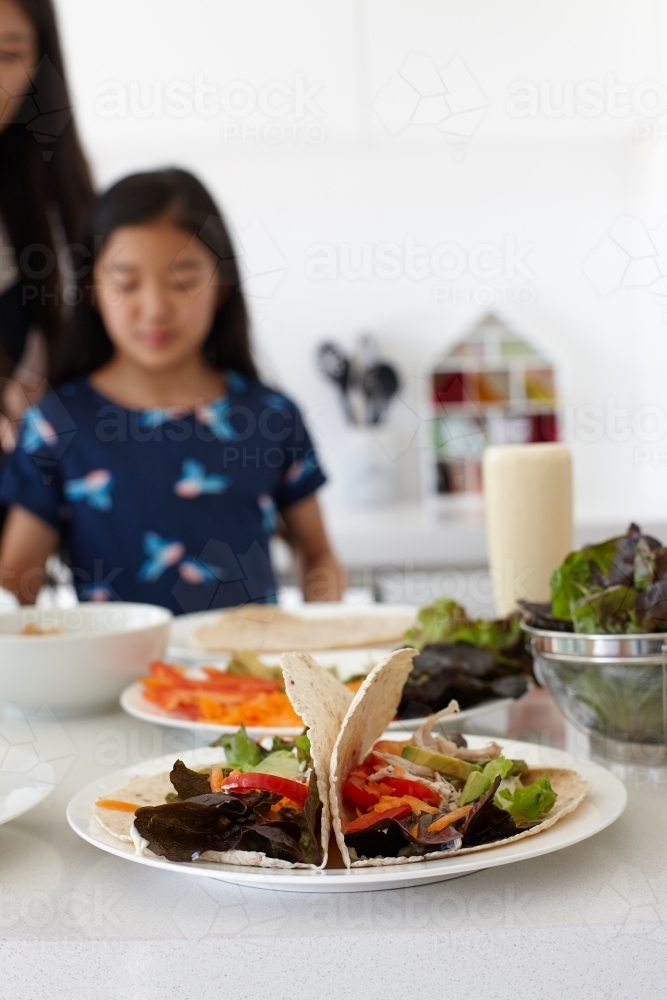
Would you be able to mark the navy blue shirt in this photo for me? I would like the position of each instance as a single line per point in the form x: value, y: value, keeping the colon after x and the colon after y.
x: 164, y: 506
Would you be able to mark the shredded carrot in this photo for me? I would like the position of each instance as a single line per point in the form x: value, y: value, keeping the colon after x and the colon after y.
x: 414, y: 830
x: 452, y: 817
x: 418, y: 805
x: 219, y: 697
x: 391, y: 746
x: 128, y: 807
x: 215, y: 780
x: 391, y: 801
x: 281, y: 804
x: 379, y: 786
x: 262, y: 710
x: 387, y: 802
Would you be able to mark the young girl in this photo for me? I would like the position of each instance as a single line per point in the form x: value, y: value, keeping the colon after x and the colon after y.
x: 160, y: 463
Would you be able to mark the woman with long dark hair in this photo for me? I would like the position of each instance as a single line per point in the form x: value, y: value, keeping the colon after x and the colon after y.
x: 45, y: 191
x: 161, y: 463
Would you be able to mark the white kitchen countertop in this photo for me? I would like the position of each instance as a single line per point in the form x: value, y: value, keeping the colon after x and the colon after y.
x: 590, y: 921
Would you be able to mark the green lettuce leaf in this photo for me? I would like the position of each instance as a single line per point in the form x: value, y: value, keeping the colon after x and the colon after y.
x: 510, y: 784
x: 302, y: 744
x: 529, y: 802
x: 501, y: 766
x: 241, y: 752
x: 447, y: 621
x: 280, y: 762
x: 604, y: 554
x: 569, y: 583
x: 643, y: 566
x: 606, y: 611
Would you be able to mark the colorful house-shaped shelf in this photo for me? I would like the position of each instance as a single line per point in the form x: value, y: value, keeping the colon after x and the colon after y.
x: 492, y: 387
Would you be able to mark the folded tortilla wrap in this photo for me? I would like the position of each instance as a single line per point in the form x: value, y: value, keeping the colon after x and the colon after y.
x: 371, y: 711
x: 321, y: 701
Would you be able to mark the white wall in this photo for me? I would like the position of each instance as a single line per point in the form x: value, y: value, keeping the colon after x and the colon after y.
x: 340, y: 169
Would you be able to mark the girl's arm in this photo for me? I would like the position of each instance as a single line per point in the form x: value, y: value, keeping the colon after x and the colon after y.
x: 27, y: 542
x: 322, y: 576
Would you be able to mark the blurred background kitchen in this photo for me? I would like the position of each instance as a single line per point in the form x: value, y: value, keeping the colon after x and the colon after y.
x: 471, y: 195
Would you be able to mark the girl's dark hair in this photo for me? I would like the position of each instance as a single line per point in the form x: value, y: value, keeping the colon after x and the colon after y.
x: 133, y: 201
x: 44, y: 182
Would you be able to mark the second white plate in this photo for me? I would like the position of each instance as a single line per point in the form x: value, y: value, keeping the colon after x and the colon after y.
x: 348, y: 662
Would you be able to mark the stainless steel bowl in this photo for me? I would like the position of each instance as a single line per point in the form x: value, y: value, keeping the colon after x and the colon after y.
x: 612, y: 687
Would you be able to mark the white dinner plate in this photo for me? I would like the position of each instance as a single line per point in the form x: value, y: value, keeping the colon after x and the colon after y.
x: 25, y: 781
x: 604, y: 804
x: 348, y: 662
x: 182, y: 643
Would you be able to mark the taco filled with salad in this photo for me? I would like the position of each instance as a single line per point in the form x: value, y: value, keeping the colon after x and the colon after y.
x: 394, y: 802
x: 255, y: 803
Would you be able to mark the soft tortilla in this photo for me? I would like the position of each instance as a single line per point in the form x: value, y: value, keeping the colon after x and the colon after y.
x: 265, y: 628
x: 568, y: 785
x: 322, y: 702
x: 371, y: 711
x: 142, y: 790
x: 150, y: 790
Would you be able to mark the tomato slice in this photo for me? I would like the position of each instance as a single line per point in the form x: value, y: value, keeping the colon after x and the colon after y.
x: 404, y: 786
x: 372, y: 818
x: 289, y: 789
x: 354, y: 791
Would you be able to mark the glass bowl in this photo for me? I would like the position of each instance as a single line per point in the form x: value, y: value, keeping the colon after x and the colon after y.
x: 611, y: 687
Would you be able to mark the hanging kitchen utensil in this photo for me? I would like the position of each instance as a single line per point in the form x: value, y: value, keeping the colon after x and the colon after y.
x: 335, y: 366
x: 364, y: 356
x: 380, y: 384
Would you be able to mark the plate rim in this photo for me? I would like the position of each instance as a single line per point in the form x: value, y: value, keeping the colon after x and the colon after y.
x: 44, y: 786
x: 382, y: 877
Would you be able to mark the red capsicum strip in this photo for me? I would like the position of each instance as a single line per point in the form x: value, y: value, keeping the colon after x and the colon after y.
x: 289, y: 789
x: 355, y: 791
x: 403, y: 786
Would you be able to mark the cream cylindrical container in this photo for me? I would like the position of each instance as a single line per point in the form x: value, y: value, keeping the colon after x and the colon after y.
x: 528, y: 502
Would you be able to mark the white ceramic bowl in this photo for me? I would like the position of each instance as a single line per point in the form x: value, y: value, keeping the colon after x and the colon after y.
x: 97, y: 651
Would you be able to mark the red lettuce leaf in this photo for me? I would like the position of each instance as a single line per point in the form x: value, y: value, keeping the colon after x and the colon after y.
x: 391, y: 838
x: 185, y: 829
x: 188, y: 783
x: 486, y: 822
